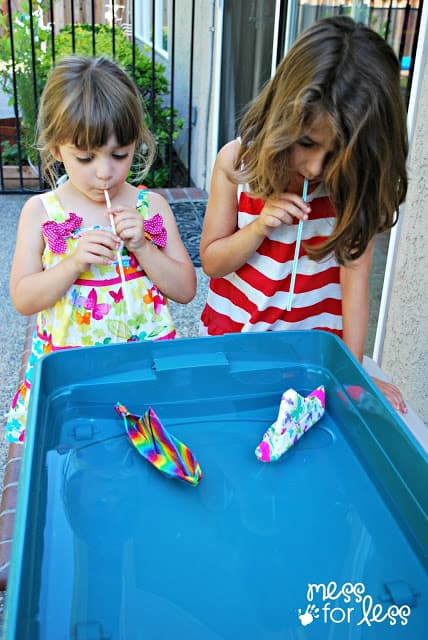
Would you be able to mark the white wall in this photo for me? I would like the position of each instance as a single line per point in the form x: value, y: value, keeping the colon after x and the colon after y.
x: 405, y: 353
x: 205, y: 36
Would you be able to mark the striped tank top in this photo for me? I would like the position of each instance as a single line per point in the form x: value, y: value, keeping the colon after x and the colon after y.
x: 254, y: 298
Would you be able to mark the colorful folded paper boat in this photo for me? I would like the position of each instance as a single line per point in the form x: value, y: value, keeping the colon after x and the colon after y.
x: 160, y: 448
x: 296, y: 416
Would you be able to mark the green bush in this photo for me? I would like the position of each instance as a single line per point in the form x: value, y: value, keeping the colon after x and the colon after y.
x: 154, y: 94
x: 23, y: 25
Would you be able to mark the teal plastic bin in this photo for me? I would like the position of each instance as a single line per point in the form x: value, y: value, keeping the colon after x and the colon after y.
x: 330, y: 542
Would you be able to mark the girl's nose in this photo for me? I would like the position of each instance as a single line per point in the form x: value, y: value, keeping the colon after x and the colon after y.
x: 104, y: 169
x: 315, y: 165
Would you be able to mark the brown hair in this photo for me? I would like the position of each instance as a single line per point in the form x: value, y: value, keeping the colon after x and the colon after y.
x: 84, y: 102
x: 346, y: 72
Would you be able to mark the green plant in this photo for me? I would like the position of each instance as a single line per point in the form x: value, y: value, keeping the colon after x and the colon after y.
x: 377, y: 25
x: 9, y: 153
x: 20, y: 60
x: 154, y: 92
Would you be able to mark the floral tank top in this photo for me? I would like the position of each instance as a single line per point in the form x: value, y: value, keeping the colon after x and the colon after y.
x: 94, y: 310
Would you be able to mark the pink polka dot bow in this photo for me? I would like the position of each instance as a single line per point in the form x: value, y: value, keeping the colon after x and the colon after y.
x: 57, y: 232
x: 155, y: 231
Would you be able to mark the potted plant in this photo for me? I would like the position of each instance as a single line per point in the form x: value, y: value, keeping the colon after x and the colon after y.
x: 15, y: 174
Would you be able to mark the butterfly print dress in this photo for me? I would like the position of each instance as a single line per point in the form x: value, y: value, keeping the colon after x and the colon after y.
x: 93, y: 310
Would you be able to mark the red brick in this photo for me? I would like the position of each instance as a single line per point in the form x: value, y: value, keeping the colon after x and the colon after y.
x: 162, y: 192
x: 177, y: 194
x: 196, y: 194
x: 5, y: 551
x: 9, y: 497
x: 10, y: 489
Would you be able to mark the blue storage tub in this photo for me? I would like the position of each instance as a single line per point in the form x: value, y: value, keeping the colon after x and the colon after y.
x: 330, y: 542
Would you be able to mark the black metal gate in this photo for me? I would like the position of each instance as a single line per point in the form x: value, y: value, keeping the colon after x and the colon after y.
x: 37, y: 34
x: 40, y: 31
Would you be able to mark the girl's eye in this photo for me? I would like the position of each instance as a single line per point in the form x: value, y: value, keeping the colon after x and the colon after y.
x: 83, y: 158
x: 120, y: 156
x: 305, y: 142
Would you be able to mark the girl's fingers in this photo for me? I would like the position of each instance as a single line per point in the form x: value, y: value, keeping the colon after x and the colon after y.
x: 97, y: 254
x: 272, y: 221
x: 130, y: 229
x: 104, y: 246
x: 101, y: 237
x: 392, y: 394
x: 286, y: 209
x: 283, y: 215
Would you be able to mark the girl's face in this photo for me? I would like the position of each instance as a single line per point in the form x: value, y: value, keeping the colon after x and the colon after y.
x: 92, y: 171
x: 309, y: 156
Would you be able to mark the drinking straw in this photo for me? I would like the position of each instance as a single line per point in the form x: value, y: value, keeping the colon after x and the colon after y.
x: 297, y: 249
x: 119, y: 256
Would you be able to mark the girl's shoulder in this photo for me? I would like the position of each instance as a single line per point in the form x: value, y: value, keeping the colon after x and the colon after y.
x: 35, y: 208
x: 33, y: 216
x: 150, y: 202
x: 226, y: 160
x: 53, y: 207
x: 154, y: 209
x: 228, y: 153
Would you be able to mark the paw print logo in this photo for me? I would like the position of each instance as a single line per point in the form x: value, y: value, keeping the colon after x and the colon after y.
x: 309, y: 615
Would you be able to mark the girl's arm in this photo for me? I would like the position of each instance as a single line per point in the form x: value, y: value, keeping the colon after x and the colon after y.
x: 33, y: 289
x: 354, y: 280
x: 224, y: 248
x: 169, y: 268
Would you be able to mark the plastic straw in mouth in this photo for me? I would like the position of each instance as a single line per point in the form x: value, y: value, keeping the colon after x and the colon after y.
x: 119, y: 256
x: 297, y: 249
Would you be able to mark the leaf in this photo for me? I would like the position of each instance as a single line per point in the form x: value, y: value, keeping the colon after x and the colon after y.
x: 119, y: 329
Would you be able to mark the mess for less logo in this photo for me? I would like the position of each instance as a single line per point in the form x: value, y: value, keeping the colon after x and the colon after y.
x: 349, y: 604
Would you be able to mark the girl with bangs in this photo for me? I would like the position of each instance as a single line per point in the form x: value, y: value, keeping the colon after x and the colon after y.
x: 323, y: 148
x: 96, y: 258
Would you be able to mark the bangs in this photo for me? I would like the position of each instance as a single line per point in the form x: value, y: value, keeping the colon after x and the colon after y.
x: 93, y: 135
x: 86, y: 102
x: 101, y: 113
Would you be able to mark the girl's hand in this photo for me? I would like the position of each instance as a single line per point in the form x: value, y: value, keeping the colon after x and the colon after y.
x: 392, y: 394
x: 281, y: 210
x: 95, y: 247
x: 129, y: 227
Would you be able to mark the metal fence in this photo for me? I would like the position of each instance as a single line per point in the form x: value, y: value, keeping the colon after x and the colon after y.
x: 397, y: 22
x: 36, y: 34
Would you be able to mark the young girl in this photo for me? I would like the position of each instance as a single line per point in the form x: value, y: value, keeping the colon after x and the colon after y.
x: 331, y: 118
x: 94, y: 275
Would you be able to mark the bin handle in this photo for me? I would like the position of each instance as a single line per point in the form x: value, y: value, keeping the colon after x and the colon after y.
x: 190, y: 361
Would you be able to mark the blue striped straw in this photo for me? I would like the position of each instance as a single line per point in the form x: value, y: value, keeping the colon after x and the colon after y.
x: 297, y: 249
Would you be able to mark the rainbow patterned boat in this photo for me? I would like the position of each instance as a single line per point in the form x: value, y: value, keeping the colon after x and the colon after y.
x: 160, y: 448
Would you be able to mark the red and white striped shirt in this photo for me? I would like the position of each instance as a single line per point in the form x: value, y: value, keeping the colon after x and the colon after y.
x: 254, y: 298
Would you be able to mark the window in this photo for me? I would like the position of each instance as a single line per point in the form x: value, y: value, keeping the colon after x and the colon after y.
x: 144, y: 24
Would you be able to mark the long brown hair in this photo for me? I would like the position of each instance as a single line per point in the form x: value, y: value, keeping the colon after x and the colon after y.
x: 346, y: 72
x: 84, y: 102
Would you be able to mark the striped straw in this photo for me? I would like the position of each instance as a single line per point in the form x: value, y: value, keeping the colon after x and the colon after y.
x: 297, y: 249
x: 119, y: 257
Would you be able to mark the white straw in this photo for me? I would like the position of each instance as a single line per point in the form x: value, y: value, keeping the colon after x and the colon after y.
x: 297, y: 249
x: 119, y: 257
